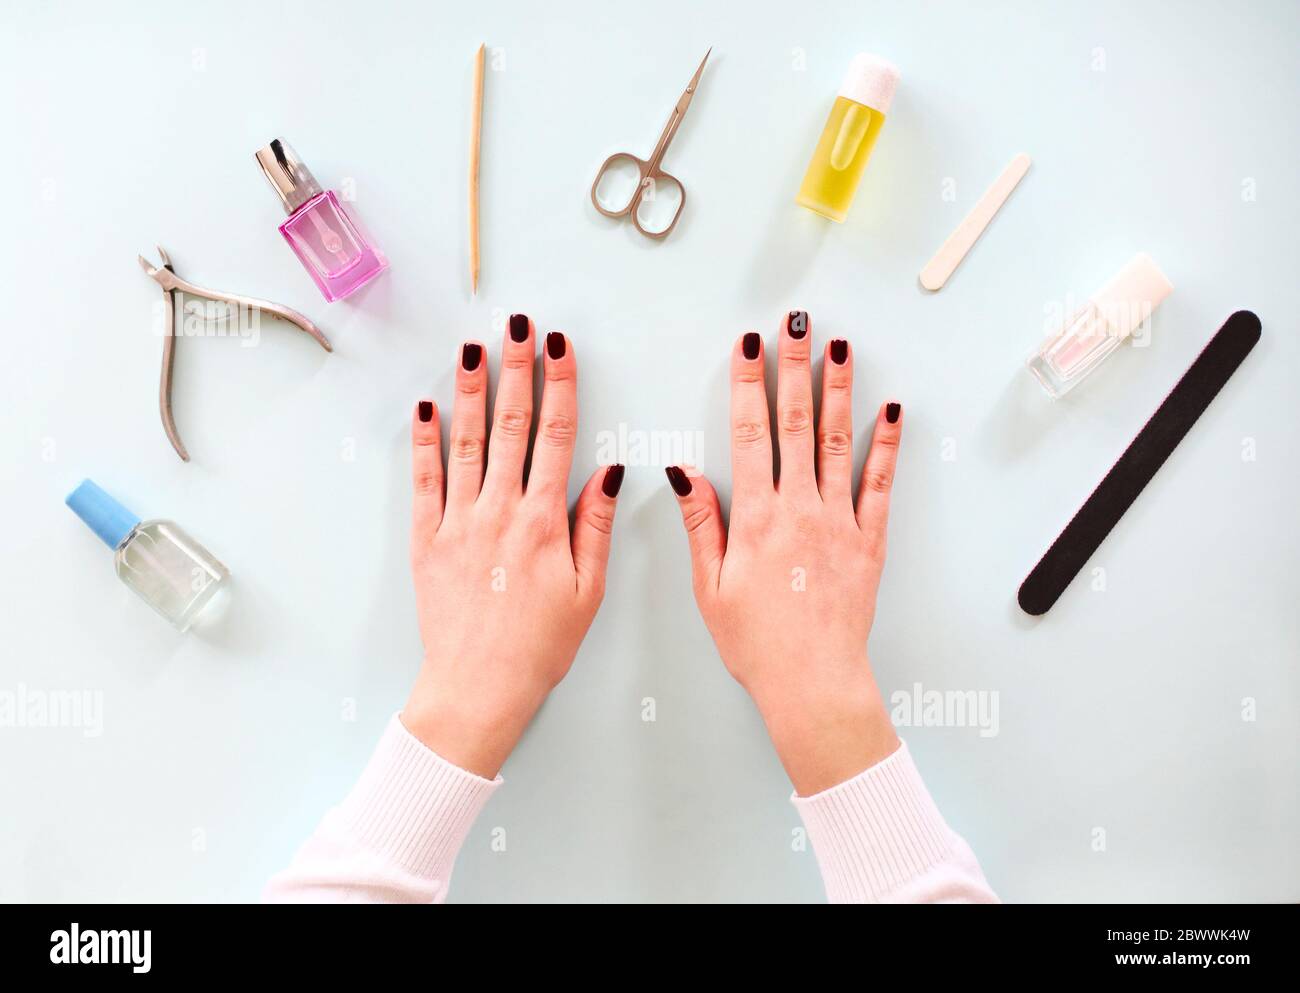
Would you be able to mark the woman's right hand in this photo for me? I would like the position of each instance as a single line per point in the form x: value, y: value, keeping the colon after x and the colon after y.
x: 788, y: 590
x: 504, y: 592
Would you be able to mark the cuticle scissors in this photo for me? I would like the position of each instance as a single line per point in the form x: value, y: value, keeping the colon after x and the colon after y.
x: 648, y: 170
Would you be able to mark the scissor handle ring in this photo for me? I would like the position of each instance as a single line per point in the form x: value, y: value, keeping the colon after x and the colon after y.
x: 643, y: 171
x: 646, y: 180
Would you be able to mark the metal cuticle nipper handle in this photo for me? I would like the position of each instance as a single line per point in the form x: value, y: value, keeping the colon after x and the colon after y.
x: 171, y: 284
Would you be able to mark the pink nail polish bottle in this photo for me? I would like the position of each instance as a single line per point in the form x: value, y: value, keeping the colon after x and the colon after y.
x: 321, y: 230
x: 1097, y: 329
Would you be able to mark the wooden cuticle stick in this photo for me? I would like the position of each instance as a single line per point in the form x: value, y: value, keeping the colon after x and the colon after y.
x: 475, y: 144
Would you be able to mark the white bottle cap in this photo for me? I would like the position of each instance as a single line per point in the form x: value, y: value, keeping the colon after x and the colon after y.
x: 1132, y: 295
x: 870, y: 81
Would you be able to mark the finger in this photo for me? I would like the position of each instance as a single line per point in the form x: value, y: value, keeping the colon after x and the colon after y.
x: 751, y: 440
x: 593, y: 523
x: 835, y: 427
x: 512, y: 418
x: 702, y: 517
x: 468, y: 430
x: 557, y: 421
x: 794, y: 409
x: 878, y: 474
x: 426, y: 470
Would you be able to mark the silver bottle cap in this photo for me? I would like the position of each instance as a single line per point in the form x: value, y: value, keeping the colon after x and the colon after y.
x: 288, y: 175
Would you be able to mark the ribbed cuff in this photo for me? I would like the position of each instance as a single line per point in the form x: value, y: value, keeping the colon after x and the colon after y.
x: 413, y: 807
x: 875, y: 832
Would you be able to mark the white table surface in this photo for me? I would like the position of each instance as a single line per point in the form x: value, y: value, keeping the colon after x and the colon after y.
x: 1161, y: 127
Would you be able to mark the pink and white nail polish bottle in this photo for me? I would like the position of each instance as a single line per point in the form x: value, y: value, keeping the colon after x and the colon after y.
x: 321, y: 230
x: 1095, y: 330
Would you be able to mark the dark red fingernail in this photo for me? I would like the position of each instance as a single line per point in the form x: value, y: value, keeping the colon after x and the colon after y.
x: 555, y: 345
x: 613, y: 480
x: 797, y: 324
x: 892, y: 410
x: 470, y: 356
x: 426, y: 411
x: 518, y: 327
x: 750, y: 344
x: 680, y: 483
x: 839, y: 351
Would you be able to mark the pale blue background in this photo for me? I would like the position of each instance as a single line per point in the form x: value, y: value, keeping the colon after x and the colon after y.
x: 1119, y: 710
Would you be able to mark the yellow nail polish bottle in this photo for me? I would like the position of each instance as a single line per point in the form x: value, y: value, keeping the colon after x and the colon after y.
x: 846, y: 141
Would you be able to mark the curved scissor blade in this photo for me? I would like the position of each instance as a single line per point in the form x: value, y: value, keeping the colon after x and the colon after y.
x: 685, y: 101
x: 695, y: 80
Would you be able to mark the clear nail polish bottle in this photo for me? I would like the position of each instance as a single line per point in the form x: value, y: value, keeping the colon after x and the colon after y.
x: 162, y: 564
x: 321, y: 230
x: 1100, y: 326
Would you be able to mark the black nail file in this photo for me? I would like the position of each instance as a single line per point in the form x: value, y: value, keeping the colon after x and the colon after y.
x: 1139, y: 463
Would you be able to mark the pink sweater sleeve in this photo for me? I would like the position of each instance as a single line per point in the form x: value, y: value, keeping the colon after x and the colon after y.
x: 879, y: 838
x: 395, y: 838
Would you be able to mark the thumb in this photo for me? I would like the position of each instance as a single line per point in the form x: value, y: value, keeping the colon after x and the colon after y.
x: 702, y: 517
x: 593, y: 523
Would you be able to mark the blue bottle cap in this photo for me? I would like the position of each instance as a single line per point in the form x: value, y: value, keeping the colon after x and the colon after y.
x: 102, y: 514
